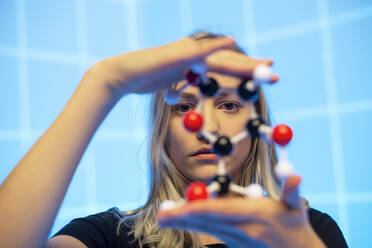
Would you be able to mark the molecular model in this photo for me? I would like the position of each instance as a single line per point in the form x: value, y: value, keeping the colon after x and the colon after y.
x: 248, y: 91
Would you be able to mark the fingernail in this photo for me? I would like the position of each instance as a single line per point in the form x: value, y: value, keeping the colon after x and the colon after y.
x: 231, y: 38
x: 274, y: 78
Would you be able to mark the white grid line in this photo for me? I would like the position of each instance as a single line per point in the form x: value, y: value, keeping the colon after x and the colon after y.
x: 44, y: 55
x: 359, y: 197
x: 102, y: 135
x: 311, y: 26
x: 297, y: 114
x: 250, y: 26
x: 24, y: 94
x: 351, y: 16
x: 322, y: 111
x: 288, y: 31
x: 131, y: 24
x: 335, y: 129
x: 186, y: 17
x: 353, y: 107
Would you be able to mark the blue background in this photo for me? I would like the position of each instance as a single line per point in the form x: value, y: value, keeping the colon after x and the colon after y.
x: 322, y: 51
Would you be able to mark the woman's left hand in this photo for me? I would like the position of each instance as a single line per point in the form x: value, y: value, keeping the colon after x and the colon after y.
x: 244, y: 222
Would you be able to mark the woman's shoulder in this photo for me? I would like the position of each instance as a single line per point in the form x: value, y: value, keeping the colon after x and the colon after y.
x: 326, y: 228
x: 115, y: 214
x: 101, y: 229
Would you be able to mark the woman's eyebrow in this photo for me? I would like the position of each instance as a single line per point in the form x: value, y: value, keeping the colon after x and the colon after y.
x: 188, y: 96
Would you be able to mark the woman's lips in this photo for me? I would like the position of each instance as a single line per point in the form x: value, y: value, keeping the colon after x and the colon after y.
x: 206, y: 156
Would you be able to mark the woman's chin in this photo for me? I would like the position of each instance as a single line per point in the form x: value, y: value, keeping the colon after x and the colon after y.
x: 205, y: 172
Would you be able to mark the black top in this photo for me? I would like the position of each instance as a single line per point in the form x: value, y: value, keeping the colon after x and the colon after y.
x: 99, y: 230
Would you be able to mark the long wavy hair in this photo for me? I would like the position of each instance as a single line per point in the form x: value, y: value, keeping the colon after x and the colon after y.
x: 168, y: 183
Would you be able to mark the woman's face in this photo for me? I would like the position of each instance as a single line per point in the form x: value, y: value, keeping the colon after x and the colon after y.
x: 225, y: 114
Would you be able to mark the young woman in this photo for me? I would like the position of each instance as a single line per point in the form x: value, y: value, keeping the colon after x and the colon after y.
x: 39, y: 182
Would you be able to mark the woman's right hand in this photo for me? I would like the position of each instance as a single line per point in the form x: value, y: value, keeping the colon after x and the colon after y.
x: 153, y: 69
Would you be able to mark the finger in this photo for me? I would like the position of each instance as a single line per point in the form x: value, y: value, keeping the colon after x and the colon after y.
x: 239, y: 71
x: 235, y: 64
x: 226, y: 233
x: 212, y: 45
x: 218, y: 206
x: 290, y: 195
x: 261, y: 61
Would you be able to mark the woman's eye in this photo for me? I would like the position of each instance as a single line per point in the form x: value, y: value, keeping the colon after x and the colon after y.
x: 183, y: 107
x: 230, y: 106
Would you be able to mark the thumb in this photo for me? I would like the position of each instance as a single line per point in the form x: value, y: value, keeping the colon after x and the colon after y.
x: 290, y: 194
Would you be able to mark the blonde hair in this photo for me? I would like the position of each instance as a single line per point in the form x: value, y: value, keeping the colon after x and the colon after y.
x: 168, y: 183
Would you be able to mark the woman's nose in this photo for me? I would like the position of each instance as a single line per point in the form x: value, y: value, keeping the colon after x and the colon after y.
x: 210, y: 122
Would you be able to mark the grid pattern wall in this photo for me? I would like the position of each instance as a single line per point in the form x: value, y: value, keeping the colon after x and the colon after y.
x: 321, y: 48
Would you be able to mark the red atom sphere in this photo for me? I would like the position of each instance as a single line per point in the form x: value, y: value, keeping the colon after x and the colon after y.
x: 193, y: 121
x: 196, y: 191
x: 282, y: 134
x: 192, y: 78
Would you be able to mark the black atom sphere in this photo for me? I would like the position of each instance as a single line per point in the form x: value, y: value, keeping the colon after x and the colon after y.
x: 209, y: 88
x: 247, y: 94
x: 253, y: 125
x: 222, y: 146
x: 224, y: 182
